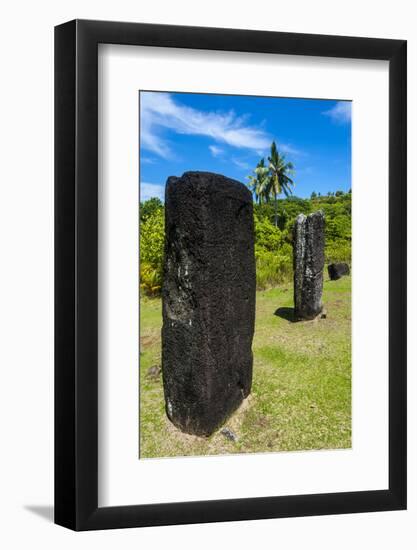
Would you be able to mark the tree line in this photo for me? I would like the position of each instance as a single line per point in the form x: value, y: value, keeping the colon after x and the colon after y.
x: 274, y: 219
x: 273, y: 243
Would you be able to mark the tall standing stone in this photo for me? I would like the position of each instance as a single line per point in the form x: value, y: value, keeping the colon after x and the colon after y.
x: 308, y: 248
x: 208, y: 299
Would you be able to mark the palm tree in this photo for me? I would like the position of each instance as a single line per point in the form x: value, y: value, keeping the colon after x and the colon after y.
x: 279, y: 177
x: 258, y: 183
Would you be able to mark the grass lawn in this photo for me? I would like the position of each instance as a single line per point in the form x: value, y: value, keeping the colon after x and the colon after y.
x: 301, y: 391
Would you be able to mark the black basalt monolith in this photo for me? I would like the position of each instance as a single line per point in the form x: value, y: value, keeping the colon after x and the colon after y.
x: 308, y: 248
x: 336, y: 271
x: 208, y: 298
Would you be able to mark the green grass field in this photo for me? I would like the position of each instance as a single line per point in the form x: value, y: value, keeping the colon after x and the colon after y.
x: 301, y: 392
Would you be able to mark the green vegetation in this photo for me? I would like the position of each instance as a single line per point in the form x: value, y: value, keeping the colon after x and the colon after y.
x: 301, y: 392
x: 258, y: 183
x: 273, y: 244
x: 273, y: 226
x: 272, y: 180
x: 151, y: 246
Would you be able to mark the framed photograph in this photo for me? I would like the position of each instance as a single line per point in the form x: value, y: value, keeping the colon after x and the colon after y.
x: 230, y: 284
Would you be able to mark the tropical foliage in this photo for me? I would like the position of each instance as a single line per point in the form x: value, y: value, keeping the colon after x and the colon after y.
x: 274, y: 262
x: 259, y: 183
x: 273, y: 180
x: 273, y: 244
x: 151, y: 237
x: 280, y: 181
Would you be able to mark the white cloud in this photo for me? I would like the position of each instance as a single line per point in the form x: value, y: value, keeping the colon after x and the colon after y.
x: 341, y: 112
x: 289, y: 149
x: 240, y: 163
x: 150, y: 141
x: 149, y: 190
x: 159, y: 110
x: 147, y: 160
x: 216, y: 151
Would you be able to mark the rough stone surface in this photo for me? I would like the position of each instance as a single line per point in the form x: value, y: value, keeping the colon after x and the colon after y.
x: 229, y: 434
x: 153, y: 372
x: 208, y: 300
x: 308, y: 243
x: 336, y: 271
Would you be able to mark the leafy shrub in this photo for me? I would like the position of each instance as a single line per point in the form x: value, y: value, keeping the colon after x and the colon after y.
x: 273, y: 268
x: 338, y: 228
x: 152, y: 252
x: 149, y: 207
x: 267, y: 236
x: 150, y: 279
x: 340, y: 251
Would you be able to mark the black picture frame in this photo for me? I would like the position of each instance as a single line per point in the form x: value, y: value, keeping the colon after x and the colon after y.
x: 76, y: 272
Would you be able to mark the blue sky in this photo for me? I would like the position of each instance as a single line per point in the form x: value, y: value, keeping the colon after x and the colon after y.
x: 180, y: 132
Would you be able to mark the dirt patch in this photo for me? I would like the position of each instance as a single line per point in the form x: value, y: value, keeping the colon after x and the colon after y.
x: 148, y: 340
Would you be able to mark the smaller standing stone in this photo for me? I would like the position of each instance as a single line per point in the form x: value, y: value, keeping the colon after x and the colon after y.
x: 308, y: 248
x: 336, y: 271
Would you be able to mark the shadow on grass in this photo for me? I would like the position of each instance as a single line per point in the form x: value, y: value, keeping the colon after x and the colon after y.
x: 286, y: 313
